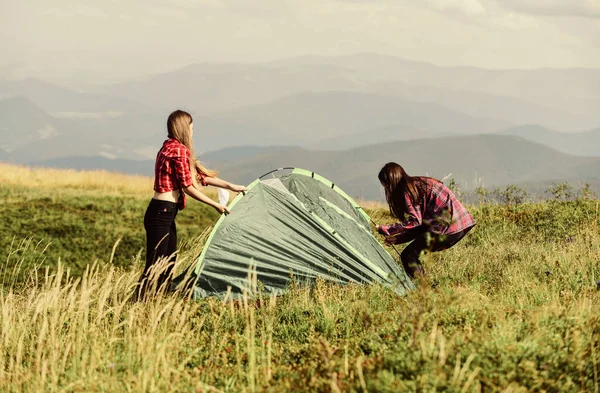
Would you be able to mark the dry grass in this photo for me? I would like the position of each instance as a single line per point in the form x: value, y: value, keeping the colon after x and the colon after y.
x: 84, y: 181
x: 514, y: 307
x: 48, y: 178
x: 483, y: 329
x: 371, y: 205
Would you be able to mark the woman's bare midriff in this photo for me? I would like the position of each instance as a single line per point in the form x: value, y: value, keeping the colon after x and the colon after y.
x: 169, y: 196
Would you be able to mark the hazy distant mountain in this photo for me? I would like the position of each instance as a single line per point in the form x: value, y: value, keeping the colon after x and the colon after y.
x: 489, y: 160
x: 575, y: 90
x: 5, y: 156
x: 575, y: 143
x: 312, y: 117
x: 562, y: 98
x: 210, y: 87
x: 306, y: 119
x: 480, y: 104
x: 589, y: 170
x: 394, y: 133
x: 23, y: 123
x: 144, y: 135
x: 314, y: 102
x: 244, y: 152
x: 145, y: 168
x: 215, y: 132
x: 68, y: 103
x: 29, y: 133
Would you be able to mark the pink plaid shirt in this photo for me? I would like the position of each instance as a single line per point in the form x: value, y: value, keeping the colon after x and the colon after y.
x: 438, y: 211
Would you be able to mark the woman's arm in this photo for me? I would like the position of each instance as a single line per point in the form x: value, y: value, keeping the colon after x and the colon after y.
x: 216, y: 182
x: 401, y: 232
x: 193, y: 192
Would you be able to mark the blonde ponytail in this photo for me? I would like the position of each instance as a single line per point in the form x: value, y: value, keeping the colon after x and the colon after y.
x: 178, y: 127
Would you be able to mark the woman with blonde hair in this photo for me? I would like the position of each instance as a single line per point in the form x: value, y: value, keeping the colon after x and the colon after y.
x: 177, y: 174
x: 430, y: 215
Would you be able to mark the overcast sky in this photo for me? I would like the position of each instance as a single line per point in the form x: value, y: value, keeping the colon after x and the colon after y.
x: 122, y: 38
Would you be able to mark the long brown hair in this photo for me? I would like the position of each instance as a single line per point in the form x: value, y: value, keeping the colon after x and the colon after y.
x: 178, y: 127
x: 398, y: 184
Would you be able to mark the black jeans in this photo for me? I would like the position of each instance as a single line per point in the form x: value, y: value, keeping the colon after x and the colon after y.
x: 161, y: 241
x: 429, y: 241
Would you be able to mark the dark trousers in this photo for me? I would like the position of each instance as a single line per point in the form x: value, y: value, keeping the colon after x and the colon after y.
x: 431, y: 242
x: 161, y: 242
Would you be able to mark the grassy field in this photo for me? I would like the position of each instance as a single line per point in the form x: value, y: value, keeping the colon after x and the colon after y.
x: 514, y: 307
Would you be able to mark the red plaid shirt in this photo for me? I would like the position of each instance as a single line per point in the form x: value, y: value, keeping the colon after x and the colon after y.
x: 172, y: 170
x: 438, y: 211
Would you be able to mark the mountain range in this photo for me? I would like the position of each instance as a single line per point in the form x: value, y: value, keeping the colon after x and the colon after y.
x: 586, y: 143
x: 573, y: 90
x: 318, y: 111
x: 555, y: 98
x: 65, y: 102
x: 480, y: 160
x: 473, y: 161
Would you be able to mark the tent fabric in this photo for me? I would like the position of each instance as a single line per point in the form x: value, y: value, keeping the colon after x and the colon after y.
x: 298, y: 225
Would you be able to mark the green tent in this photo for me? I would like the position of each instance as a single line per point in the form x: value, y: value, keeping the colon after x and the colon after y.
x: 293, y: 223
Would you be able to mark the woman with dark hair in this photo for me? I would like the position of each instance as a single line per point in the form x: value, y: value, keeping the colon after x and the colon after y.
x: 429, y: 213
x: 177, y: 174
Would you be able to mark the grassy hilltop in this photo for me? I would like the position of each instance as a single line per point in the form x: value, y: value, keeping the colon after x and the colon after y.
x: 78, y: 217
x: 514, y: 307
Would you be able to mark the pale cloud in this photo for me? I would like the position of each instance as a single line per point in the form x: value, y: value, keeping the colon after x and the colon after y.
x: 48, y: 131
x: 576, y: 8
x: 145, y: 152
x: 469, y: 7
x: 107, y: 155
